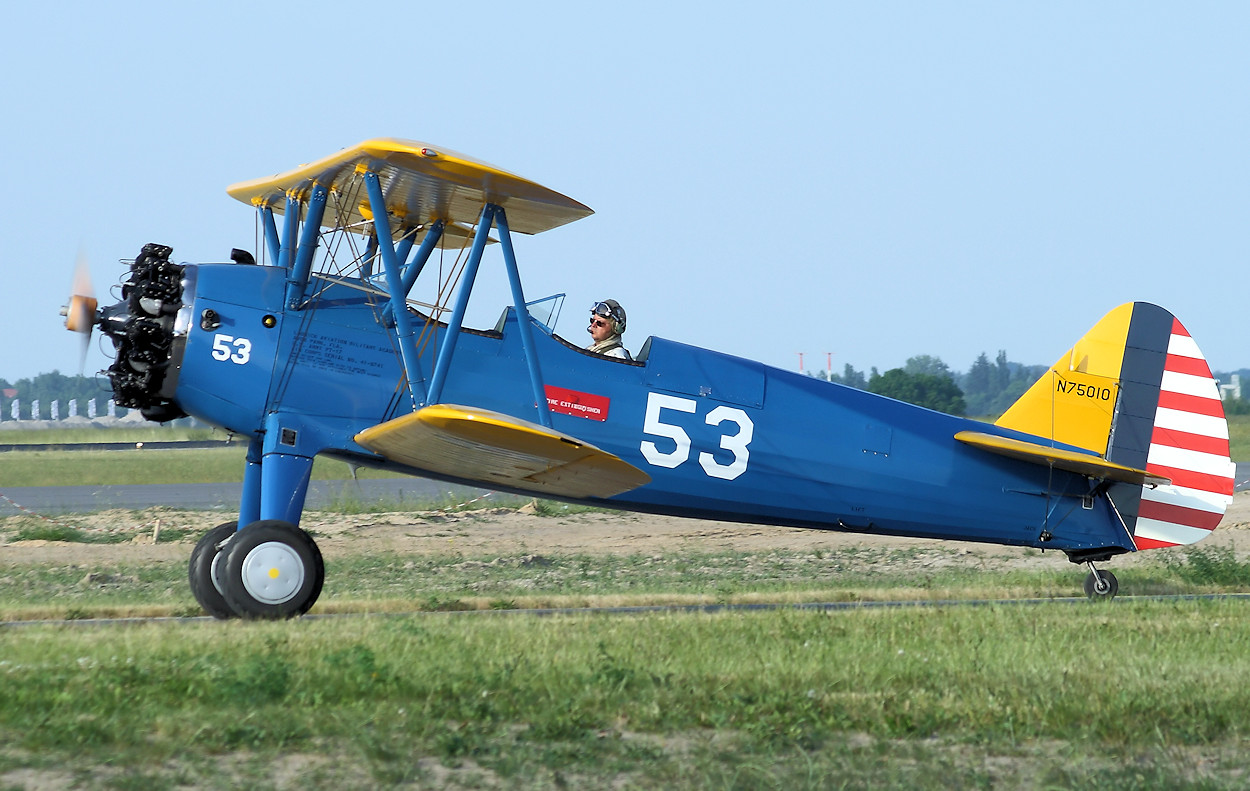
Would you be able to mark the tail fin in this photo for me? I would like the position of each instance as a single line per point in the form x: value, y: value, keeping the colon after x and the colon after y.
x: 1137, y: 391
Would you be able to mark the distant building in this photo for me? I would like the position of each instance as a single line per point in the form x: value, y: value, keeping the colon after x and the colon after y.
x: 1232, y: 390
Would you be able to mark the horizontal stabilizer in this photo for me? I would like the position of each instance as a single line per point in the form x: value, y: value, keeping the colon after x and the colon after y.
x: 1070, y: 460
x: 500, y: 450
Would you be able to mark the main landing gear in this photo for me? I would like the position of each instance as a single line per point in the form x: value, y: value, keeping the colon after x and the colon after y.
x: 1101, y: 585
x: 270, y: 569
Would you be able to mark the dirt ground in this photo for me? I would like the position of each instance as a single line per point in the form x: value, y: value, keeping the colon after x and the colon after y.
x: 504, y: 532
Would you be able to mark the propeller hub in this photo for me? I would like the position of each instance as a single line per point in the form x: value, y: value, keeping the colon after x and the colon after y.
x: 80, y: 313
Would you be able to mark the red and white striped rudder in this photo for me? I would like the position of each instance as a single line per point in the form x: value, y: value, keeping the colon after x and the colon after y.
x: 1189, y: 445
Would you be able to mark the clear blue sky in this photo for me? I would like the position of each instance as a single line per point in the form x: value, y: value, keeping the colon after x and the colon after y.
x: 875, y: 180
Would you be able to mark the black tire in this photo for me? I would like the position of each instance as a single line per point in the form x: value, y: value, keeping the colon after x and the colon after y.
x: 272, y: 569
x: 1110, y: 586
x: 206, y: 557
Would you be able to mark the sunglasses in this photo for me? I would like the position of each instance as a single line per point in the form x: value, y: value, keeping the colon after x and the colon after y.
x: 598, y: 323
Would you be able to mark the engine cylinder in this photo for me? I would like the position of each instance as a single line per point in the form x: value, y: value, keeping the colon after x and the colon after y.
x: 141, y: 327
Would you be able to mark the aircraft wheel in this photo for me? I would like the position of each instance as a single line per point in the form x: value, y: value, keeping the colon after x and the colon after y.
x: 204, y: 570
x: 1105, y: 591
x: 273, y: 570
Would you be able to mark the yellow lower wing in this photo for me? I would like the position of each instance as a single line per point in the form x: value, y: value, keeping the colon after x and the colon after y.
x: 496, y: 449
x: 1093, y: 466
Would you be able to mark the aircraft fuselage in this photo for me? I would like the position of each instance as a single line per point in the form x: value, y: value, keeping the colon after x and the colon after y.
x: 721, y: 437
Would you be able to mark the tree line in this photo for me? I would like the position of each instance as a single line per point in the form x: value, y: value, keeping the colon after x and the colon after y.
x: 986, y: 389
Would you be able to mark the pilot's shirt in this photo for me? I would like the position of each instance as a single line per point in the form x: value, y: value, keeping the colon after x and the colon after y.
x: 611, y: 348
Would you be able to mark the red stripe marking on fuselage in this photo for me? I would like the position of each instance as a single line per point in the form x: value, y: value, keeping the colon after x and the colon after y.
x: 1152, y: 543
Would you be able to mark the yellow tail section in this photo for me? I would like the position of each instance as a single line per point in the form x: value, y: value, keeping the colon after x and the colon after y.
x: 1074, y: 403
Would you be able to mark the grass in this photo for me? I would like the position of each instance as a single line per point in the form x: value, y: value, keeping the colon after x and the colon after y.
x: 391, y: 581
x: 1209, y: 567
x: 1135, y: 694
x: 940, y: 698
x: 139, y: 432
x: 1239, y: 436
x: 347, y: 501
x: 103, y: 468
x: 110, y: 468
x: 52, y: 531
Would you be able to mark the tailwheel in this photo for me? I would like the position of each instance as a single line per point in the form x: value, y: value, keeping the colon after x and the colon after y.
x: 1101, y: 584
x: 204, y: 570
x: 272, y: 569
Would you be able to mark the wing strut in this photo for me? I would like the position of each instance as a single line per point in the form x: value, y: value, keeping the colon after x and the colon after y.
x: 411, y: 270
x: 297, y: 277
x: 290, y: 232
x: 271, y: 232
x: 368, y: 257
x: 454, y: 324
x: 294, y: 253
x: 492, y: 215
x: 394, y: 284
x: 523, y: 318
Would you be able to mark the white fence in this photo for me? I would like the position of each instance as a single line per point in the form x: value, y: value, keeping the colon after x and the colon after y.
x: 32, y: 414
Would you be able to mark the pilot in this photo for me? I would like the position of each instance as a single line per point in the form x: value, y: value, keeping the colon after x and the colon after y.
x: 607, y: 324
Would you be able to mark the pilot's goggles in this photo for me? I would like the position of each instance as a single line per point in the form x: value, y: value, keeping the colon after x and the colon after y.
x: 604, y: 309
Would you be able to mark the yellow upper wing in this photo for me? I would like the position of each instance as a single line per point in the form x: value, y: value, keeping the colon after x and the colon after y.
x: 479, y: 445
x: 422, y: 183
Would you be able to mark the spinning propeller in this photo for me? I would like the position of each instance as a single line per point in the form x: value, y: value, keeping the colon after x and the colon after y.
x: 80, y: 313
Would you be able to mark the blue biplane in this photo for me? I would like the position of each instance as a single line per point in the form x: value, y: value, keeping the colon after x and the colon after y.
x: 320, y: 349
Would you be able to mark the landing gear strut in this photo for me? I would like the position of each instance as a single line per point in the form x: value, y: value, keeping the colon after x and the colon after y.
x: 1101, y: 585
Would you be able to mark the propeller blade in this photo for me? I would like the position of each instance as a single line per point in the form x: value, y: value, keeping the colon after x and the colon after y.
x: 82, y: 352
x: 82, y: 277
x: 80, y: 312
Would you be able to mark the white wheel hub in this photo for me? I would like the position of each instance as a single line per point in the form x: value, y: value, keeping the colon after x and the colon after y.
x: 273, y: 573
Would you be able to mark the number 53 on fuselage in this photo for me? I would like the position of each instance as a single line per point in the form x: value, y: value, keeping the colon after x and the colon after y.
x: 1121, y: 446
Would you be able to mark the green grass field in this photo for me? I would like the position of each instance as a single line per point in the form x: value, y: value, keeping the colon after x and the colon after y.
x: 1135, y: 695
x: 95, y: 468
x: 1239, y: 436
x: 1131, y: 694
